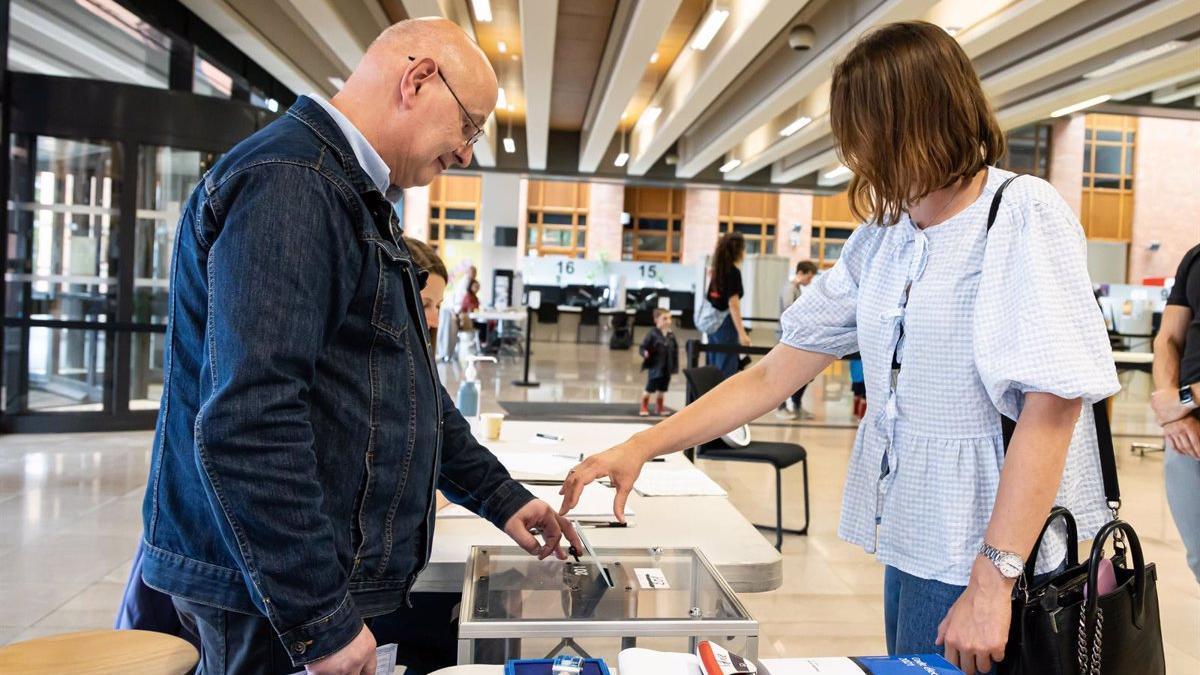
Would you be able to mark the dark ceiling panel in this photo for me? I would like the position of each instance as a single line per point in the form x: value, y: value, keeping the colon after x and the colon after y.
x: 581, y: 34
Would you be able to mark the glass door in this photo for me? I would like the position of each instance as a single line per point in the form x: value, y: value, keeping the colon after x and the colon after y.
x: 60, y: 274
x: 166, y: 177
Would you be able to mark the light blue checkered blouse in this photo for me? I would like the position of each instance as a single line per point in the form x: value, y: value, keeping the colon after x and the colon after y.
x: 979, y: 330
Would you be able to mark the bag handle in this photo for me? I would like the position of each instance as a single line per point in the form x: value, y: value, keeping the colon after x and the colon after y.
x: 1117, y: 529
x: 1072, y: 540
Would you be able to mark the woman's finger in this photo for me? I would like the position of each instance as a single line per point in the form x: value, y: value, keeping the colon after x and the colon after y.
x: 574, y: 484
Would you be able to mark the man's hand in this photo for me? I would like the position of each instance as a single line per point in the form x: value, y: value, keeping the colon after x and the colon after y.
x: 1184, y: 436
x: 356, y: 658
x: 621, y: 464
x: 1167, y: 407
x: 539, y: 516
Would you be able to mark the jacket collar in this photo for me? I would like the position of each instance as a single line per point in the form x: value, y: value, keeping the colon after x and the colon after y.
x: 312, y: 115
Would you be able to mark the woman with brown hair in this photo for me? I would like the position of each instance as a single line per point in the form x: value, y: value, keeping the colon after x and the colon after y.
x: 725, y: 293
x: 982, y: 324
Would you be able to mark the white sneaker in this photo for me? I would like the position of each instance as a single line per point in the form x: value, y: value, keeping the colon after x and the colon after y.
x: 790, y: 405
x: 783, y: 414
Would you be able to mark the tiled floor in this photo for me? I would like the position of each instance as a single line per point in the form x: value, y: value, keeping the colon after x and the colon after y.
x: 70, y: 515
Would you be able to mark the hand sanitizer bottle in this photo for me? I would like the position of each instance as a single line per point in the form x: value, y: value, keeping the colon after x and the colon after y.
x: 468, y: 392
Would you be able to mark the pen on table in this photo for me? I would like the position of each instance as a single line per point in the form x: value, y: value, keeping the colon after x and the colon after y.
x: 609, y: 523
x: 577, y: 458
x: 549, y: 437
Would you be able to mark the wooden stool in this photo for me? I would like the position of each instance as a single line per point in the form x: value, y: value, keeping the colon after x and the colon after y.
x: 100, y: 651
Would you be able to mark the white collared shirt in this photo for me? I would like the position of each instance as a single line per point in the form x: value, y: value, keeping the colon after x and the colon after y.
x: 366, y: 155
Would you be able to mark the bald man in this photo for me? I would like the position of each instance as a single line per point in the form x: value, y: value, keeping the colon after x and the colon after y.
x: 303, y: 429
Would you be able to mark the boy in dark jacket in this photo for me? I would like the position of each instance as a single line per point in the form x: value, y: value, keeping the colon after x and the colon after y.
x: 660, y: 356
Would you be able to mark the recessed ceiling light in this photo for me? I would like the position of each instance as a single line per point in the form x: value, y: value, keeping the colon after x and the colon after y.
x: 708, y: 30
x: 1135, y: 58
x: 730, y: 165
x: 650, y: 115
x: 654, y: 57
x: 502, y: 46
x: 337, y: 82
x: 483, y: 10
x: 622, y: 159
x: 272, y: 105
x: 501, y: 98
x: 796, y: 125
x: 509, y: 145
x: 1080, y: 106
x: 838, y: 173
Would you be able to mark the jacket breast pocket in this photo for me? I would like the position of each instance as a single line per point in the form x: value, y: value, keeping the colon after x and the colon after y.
x: 390, y: 312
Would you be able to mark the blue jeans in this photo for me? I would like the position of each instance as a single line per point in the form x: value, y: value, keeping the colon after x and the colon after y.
x: 725, y: 335
x: 1183, y: 495
x: 914, y: 607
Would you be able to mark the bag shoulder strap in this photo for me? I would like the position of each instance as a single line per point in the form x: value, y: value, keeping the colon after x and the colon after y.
x: 1108, y: 460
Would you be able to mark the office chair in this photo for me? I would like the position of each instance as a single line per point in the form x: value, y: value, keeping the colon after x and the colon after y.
x: 590, y: 316
x: 780, y: 456
x: 548, y: 313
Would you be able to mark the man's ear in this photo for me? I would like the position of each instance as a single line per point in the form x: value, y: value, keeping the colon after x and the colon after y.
x: 417, y: 76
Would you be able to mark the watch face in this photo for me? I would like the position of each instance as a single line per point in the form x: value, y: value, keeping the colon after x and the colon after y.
x: 1010, y: 566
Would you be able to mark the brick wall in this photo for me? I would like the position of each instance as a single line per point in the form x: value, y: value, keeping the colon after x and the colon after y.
x: 1166, y: 196
x: 700, y: 227
x: 1066, y: 159
x: 794, y: 209
x: 606, y: 202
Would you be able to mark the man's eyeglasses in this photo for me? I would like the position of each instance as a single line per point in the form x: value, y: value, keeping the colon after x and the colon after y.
x: 475, y: 135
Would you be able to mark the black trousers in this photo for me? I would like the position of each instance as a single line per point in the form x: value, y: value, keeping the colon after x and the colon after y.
x: 232, y: 643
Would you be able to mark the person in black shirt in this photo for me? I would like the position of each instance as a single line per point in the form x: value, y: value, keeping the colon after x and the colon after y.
x: 1176, y: 401
x: 725, y: 293
x: 660, y: 357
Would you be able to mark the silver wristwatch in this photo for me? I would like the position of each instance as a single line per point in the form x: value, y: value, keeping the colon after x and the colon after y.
x: 1010, y: 564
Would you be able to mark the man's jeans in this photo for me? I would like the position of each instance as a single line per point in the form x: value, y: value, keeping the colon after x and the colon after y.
x: 1183, y: 496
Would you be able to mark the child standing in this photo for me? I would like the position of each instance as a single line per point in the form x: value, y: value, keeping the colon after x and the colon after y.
x: 660, y: 356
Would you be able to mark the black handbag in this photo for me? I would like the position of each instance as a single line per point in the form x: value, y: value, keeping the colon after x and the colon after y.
x: 1058, y: 630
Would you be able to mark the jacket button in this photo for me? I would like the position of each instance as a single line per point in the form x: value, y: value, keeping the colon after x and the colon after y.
x: 299, y: 647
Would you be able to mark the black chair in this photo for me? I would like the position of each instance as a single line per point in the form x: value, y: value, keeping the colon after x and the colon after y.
x: 590, y: 316
x: 780, y: 456
x: 548, y: 313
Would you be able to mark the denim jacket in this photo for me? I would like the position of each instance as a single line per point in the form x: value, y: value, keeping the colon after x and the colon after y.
x: 302, y: 429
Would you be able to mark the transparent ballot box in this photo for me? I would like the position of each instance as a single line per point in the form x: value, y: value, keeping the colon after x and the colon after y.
x: 515, y: 606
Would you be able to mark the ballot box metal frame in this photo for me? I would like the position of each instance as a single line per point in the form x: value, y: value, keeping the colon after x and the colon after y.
x: 629, y: 630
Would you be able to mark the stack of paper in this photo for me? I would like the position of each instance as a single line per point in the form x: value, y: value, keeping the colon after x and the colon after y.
x: 538, y: 465
x: 676, y: 479
x: 638, y: 661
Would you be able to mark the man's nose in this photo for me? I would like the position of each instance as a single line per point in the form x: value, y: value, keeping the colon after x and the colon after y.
x: 464, y: 154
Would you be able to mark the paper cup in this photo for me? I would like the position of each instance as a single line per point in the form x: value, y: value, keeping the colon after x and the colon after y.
x: 491, y: 425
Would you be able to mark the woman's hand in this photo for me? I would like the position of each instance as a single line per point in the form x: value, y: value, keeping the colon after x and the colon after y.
x: 975, y: 630
x: 744, y: 338
x: 621, y: 464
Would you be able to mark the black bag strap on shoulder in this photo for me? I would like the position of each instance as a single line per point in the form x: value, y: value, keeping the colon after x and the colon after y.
x: 1007, y: 425
x: 1108, y: 460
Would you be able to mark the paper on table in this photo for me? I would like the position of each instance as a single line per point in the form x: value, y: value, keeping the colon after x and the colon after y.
x: 674, y: 479
x: 537, y: 465
x: 638, y: 661
x: 595, y: 502
x: 385, y: 660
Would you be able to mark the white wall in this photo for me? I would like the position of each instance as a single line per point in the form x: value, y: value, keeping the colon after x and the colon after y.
x: 500, y: 206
